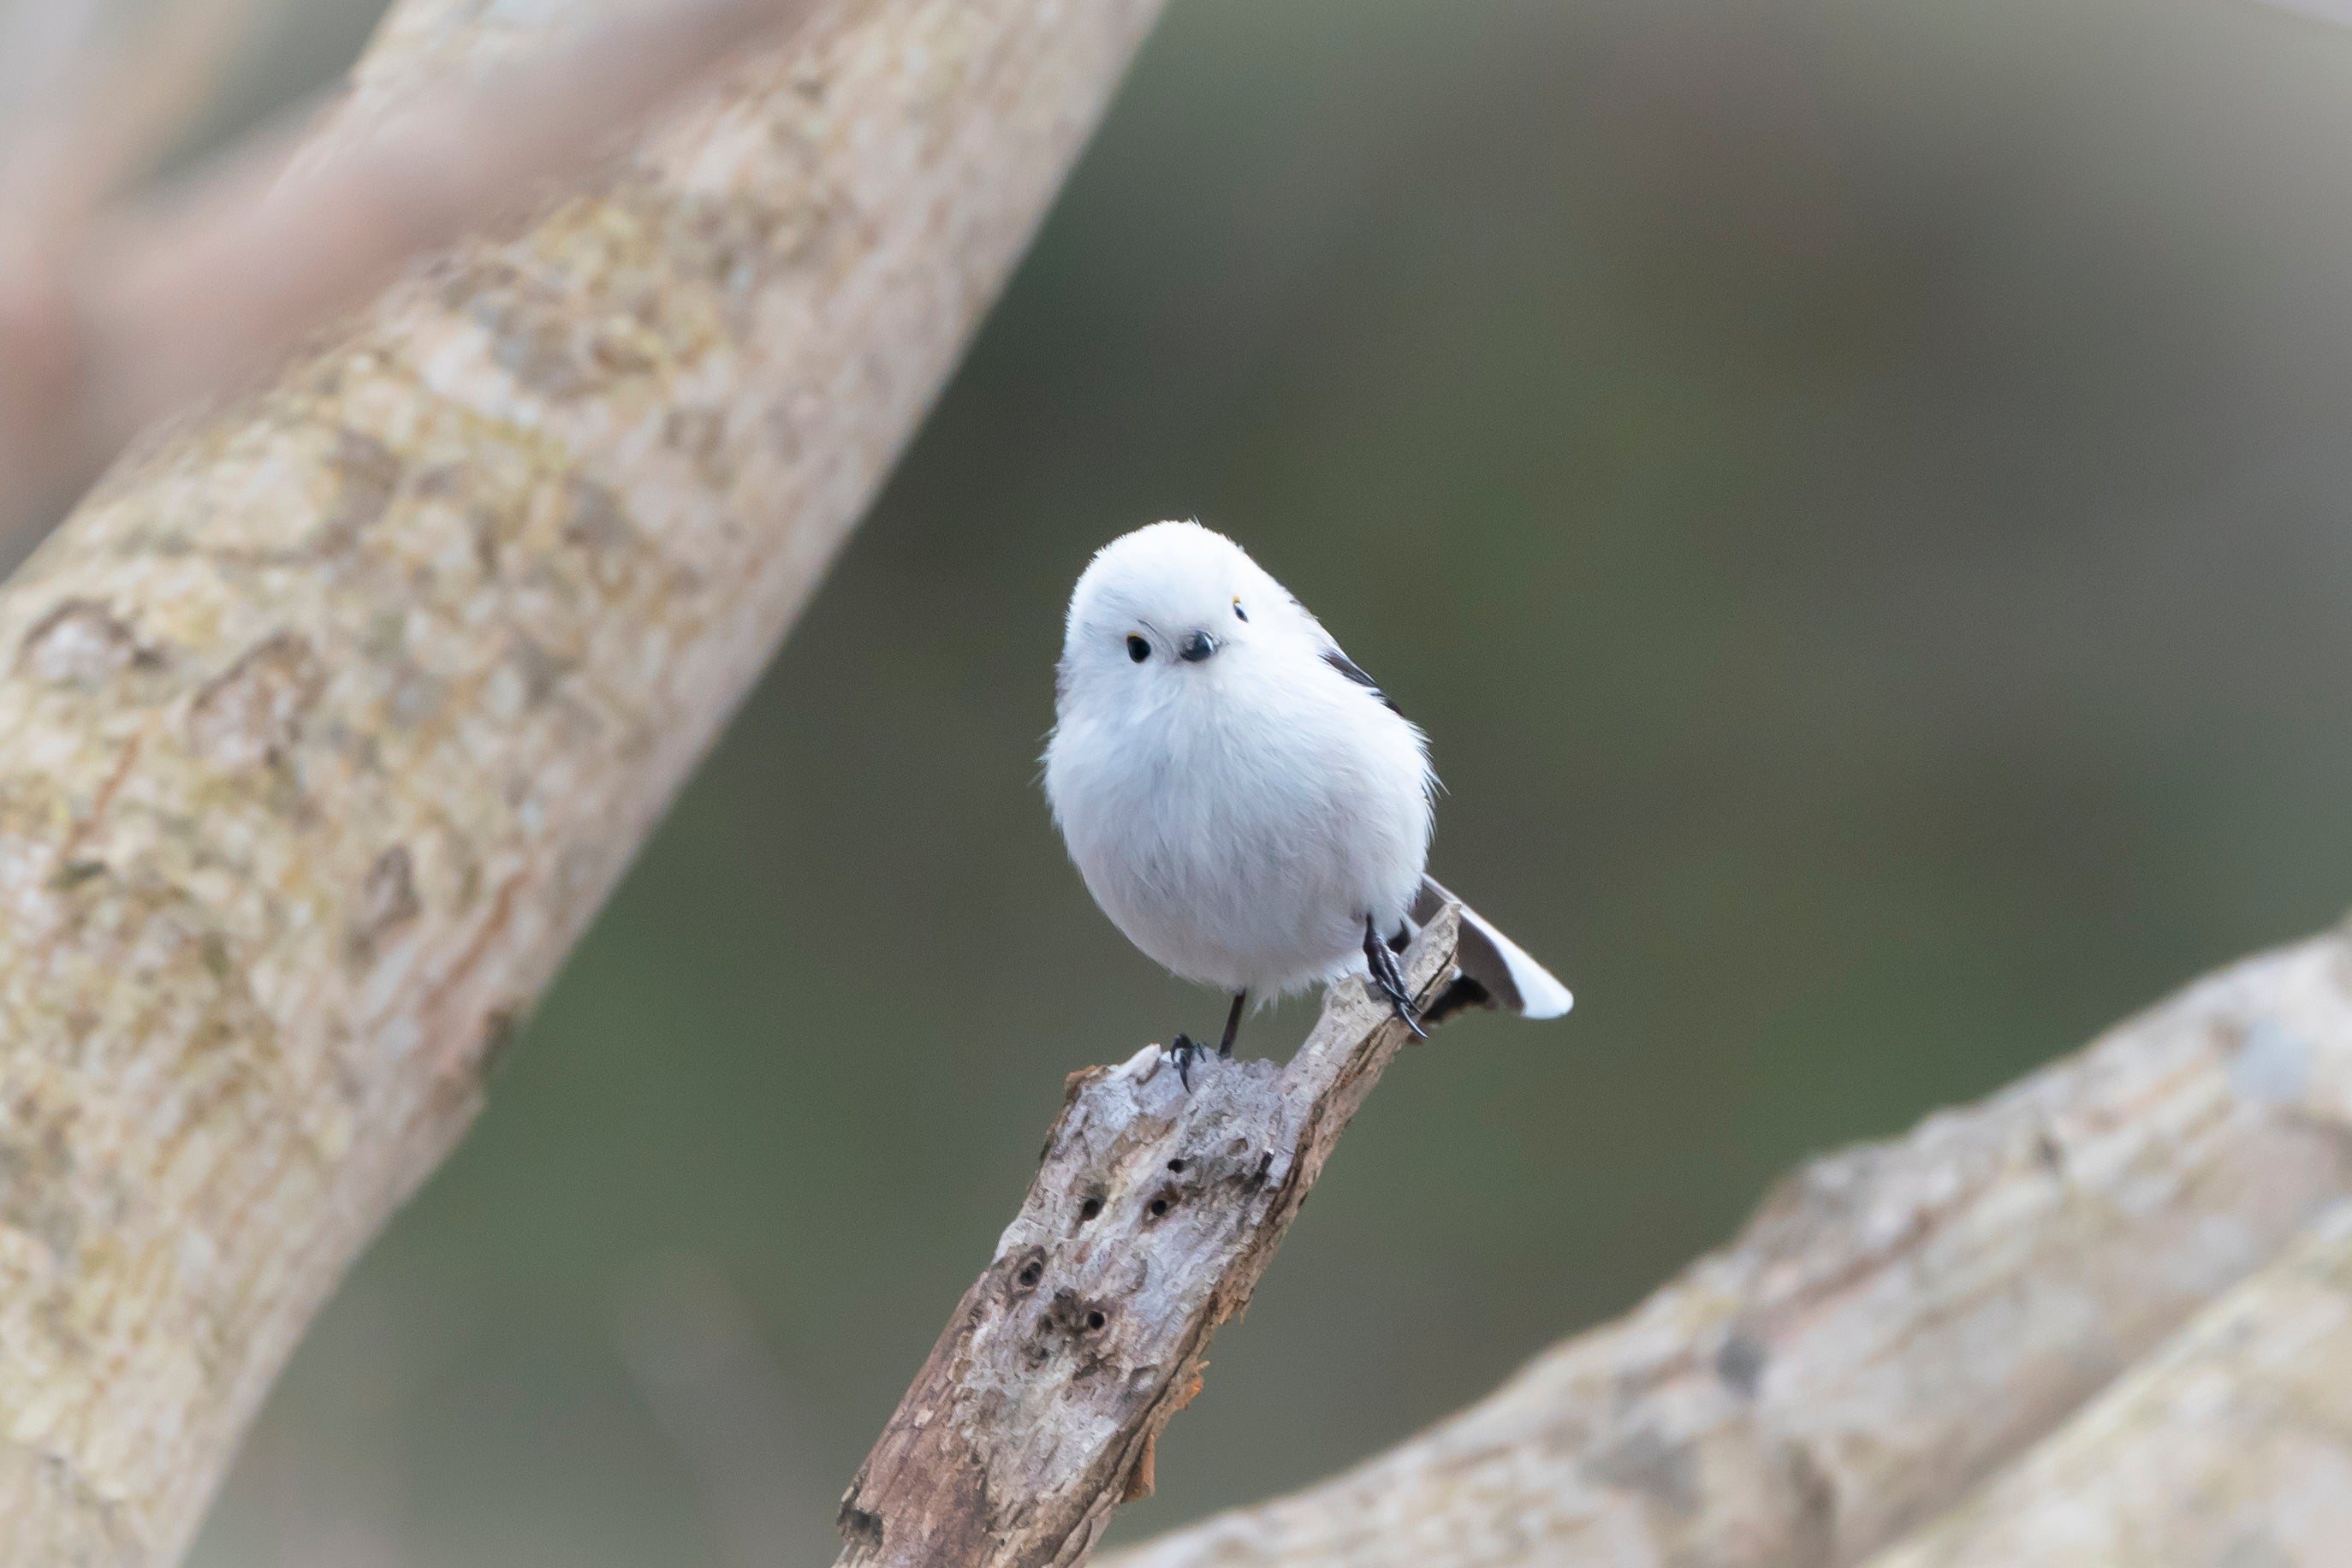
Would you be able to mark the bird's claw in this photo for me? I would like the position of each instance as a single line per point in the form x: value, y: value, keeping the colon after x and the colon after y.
x: 1382, y: 964
x: 1185, y: 1050
x: 1404, y: 1009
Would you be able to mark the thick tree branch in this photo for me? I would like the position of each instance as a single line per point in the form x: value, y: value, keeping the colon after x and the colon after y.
x: 1900, y: 1319
x: 326, y: 725
x: 2231, y: 1445
x: 1155, y: 1210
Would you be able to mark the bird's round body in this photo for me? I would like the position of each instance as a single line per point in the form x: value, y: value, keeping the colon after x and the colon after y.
x: 1240, y: 798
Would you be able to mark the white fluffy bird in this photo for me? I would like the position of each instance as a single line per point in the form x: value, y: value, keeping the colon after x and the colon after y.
x: 1243, y: 802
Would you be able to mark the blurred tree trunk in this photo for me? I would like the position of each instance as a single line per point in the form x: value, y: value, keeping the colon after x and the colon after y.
x: 2231, y: 1445
x: 1901, y: 1320
x: 329, y: 720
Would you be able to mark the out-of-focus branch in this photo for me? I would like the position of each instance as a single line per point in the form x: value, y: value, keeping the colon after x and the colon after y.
x: 1156, y: 1209
x: 1901, y: 1320
x: 101, y: 106
x: 2231, y: 1445
x: 2339, y: 12
x: 112, y: 318
x: 42, y: 42
x: 327, y: 722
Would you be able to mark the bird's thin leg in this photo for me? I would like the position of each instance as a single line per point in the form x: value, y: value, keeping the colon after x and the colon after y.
x: 1186, y: 1051
x: 1232, y: 1025
x: 1382, y: 962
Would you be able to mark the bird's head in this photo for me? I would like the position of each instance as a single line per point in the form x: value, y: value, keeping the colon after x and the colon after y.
x: 1165, y: 600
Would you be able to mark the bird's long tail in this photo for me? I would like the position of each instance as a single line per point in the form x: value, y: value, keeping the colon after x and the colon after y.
x: 1517, y: 982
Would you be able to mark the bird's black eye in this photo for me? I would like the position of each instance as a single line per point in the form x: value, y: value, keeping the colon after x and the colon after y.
x: 1137, y: 648
x: 1239, y: 613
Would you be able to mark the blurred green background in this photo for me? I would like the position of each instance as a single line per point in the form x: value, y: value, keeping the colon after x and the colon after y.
x: 1856, y: 493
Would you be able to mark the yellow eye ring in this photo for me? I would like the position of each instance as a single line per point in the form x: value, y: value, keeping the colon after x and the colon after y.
x: 1239, y: 613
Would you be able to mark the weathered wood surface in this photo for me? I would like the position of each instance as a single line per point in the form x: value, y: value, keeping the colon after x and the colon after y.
x: 326, y: 723
x: 2230, y: 1448
x: 1900, y: 1319
x: 1154, y: 1212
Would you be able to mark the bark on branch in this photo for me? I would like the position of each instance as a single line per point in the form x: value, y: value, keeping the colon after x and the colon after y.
x: 2233, y: 1444
x: 1901, y: 1320
x: 327, y: 722
x: 1155, y: 1210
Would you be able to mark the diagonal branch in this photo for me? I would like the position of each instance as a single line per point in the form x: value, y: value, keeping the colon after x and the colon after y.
x: 111, y: 317
x: 1899, y: 1321
x: 2230, y: 1444
x: 1155, y: 1210
x: 329, y: 720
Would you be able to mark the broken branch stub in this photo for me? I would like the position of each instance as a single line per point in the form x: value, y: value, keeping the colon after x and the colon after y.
x: 1154, y: 1212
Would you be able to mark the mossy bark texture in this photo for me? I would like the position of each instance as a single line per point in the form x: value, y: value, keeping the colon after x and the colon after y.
x: 329, y: 720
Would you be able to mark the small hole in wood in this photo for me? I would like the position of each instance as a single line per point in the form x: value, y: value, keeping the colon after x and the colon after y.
x: 1095, y: 1319
x: 1159, y: 1207
x: 1175, y: 1165
x: 1032, y: 1272
x: 1091, y: 1208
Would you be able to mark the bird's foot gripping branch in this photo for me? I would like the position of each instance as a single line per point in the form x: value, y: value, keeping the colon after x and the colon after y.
x: 1155, y: 1210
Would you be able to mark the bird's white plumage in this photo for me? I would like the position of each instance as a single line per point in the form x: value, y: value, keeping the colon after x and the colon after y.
x: 1239, y: 798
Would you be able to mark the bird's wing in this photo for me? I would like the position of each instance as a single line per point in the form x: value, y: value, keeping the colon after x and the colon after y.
x: 1485, y: 954
x: 1338, y: 660
x: 1348, y: 668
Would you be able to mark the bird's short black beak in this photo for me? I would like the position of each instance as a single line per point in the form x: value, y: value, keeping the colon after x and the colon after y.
x: 1196, y: 648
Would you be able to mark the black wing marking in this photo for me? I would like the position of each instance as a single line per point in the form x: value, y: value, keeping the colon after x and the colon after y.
x: 1347, y: 666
